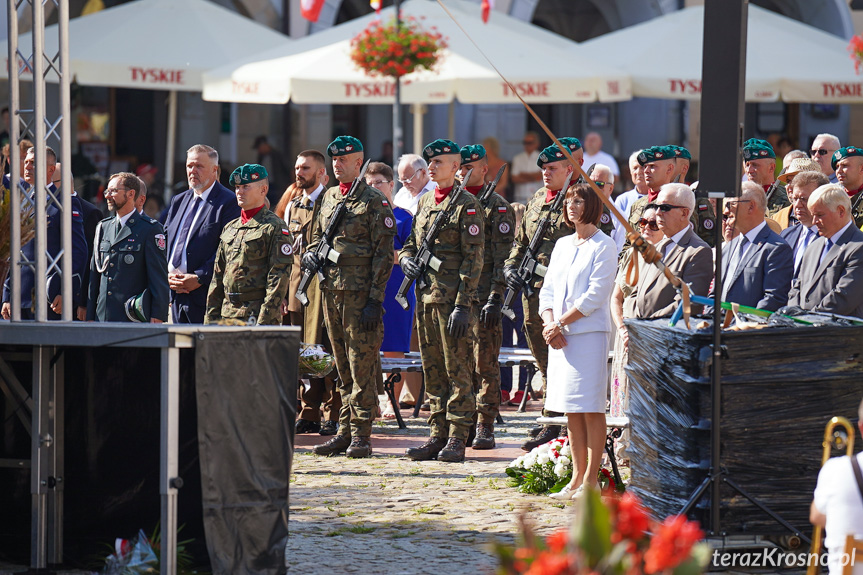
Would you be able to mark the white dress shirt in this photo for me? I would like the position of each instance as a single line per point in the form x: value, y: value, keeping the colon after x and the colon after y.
x: 407, y: 201
x: 203, y: 196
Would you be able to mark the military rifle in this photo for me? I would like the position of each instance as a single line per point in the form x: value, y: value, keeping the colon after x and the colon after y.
x: 324, y: 250
x: 489, y: 188
x: 425, y: 258
x: 773, y: 187
x: 529, y: 264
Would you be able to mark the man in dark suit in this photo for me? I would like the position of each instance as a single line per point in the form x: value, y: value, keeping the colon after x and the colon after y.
x: 54, y: 245
x: 832, y: 270
x: 801, y: 236
x: 194, y: 223
x: 757, y: 265
x: 129, y: 269
x: 684, y: 253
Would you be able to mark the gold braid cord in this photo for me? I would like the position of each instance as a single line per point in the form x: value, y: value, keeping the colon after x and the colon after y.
x: 641, y: 246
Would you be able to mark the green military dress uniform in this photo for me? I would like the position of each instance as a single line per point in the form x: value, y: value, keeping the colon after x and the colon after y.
x: 129, y: 260
x: 448, y: 364
x: 536, y: 209
x: 499, y: 231
x: 252, y: 270
x: 364, y: 239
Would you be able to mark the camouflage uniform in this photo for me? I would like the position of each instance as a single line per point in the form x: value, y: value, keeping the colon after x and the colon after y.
x: 606, y: 221
x: 499, y: 234
x: 448, y: 361
x: 252, y: 269
x: 364, y: 239
x: 857, y: 209
x: 702, y: 217
x: 536, y: 209
x: 778, y: 200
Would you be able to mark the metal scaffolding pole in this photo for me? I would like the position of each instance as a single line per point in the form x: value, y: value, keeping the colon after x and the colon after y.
x: 44, y: 132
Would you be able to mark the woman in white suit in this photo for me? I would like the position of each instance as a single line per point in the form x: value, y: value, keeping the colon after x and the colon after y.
x: 574, y: 304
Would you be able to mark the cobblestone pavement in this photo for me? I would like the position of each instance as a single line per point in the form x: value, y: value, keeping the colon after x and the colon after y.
x: 388, y: 514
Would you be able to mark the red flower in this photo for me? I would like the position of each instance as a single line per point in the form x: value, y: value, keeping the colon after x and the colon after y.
x: 671, y: 544
x: 556, y: 542
x: 548, y: 563
x: 630, y: 519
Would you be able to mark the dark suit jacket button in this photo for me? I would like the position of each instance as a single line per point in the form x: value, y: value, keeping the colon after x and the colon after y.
x: 109, y: 293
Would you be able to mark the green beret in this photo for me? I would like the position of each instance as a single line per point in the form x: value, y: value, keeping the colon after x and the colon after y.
x: 472, y: 153
x: 656, y: 154
x: 440, y: 148
x: 548, y: 155
x: 344, y: 145
x: 572, y: 143
x: 843, y: 153
x: 248, y: 174
x: 681, y: 152
x: 754, y: 149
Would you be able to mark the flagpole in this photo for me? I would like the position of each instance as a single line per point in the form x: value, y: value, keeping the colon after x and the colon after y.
x: 397, y: 103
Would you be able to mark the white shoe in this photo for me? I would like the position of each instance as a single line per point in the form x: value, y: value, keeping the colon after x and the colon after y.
x: 578, y: 492
x: 565, y: 493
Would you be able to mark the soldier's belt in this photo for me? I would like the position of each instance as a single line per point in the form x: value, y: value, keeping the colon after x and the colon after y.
x: 355, y: 261
x: 254, y: 295
x: 451, y: 264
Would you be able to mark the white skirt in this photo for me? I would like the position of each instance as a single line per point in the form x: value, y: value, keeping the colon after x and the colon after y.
x: 577, y: 378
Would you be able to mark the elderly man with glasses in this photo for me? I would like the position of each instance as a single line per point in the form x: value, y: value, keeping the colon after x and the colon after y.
x: 414, y: 177
x: 823, y: 148
x: 604, y: 180
x: 683, y: 252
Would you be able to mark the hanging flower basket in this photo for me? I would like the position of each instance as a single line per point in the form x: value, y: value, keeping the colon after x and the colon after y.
x: 387, y: 50
x: 855, y: 48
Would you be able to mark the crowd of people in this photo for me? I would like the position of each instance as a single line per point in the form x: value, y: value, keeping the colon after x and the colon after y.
x: 218, y: 255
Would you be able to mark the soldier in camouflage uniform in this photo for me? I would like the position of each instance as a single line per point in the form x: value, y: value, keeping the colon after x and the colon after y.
x: 604, y: 180
x: 353, y: 291
x: 499, y: 230
x: 848, y: 164
x: 665, y: 165
x: 759, y: 162
x: 253, y: 261
x: 443, y: 310
x: 555, y: 169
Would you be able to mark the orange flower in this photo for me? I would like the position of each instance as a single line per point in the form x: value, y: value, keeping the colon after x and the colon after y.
x: 556, y: 542
x: 548, y: 563
x: 671, y: 544
x: 630, y: 519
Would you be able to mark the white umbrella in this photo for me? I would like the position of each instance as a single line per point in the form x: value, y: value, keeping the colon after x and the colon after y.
x: 545, y: 67
x: 157, y: 45
x: 786, y: 59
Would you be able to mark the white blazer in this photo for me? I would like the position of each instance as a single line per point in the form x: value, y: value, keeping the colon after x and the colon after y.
x: 581, y: 277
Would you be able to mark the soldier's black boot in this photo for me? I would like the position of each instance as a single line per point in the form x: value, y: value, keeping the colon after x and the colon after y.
x: 453, y: 452
x: 548, y: 433
x: 484, y: 436
x: 428, y: 450
x: 360, y: 447
x: 337, y: 444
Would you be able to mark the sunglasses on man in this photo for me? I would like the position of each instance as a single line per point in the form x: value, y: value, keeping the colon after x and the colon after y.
x: 820, y: 152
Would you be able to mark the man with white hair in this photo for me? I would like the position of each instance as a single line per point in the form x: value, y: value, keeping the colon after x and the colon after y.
x: 604, y: 180
x: 684, y: 253
x: 413, y: 172
x: 832, y: 268
x: 624, y: 201
x: 758, y: 264
x: 823, y: 148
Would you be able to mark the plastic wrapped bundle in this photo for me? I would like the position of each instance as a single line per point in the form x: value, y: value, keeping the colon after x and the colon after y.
x: 314, y: 361
x: 780, y: 386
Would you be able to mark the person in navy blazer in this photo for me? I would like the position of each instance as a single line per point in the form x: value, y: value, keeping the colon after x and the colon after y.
x: 801, y: 236
x: 54, y: 245
x: 190, y: 280
x: 758, y: 264
x: 831, y: 275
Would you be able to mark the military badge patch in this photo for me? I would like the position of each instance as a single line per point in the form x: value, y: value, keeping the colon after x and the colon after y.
x: 708, y: 224
x: 287, y: 249
x: 254, y: 176
x: 471, y: 211
x: 501, y: 209
x: 285, y: 232
x: 160, y: 242
x: 473, y: 230
x: 237, y: 179
x: 385, y: 203
x: 605, y: 218
x: 334, y: 148
x: 388, y: 222
x: 503, y: 227
x: 129, y: 259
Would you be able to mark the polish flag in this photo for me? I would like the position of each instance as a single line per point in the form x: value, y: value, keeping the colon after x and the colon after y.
x: 376, y: 5
x: 487, y: 7
x: 311, y: 9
